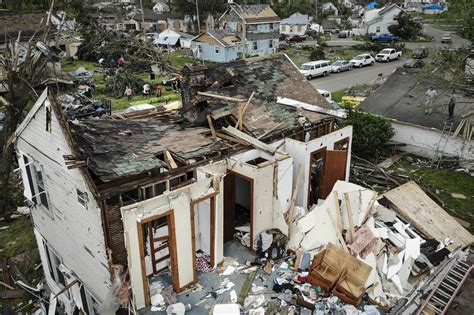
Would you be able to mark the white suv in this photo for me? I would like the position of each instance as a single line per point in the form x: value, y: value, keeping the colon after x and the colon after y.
x: 362, y: 60
x: 316, y: 68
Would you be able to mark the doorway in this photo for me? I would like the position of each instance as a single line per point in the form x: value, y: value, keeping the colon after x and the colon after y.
x: 238, y: 206
x: 157, y: 242
x: 203, y: 217
x: 316, y: 174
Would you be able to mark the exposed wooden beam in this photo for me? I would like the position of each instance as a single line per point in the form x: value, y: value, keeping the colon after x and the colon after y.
x: 211, y: 126
x: 229, y: 138
x: 242, y: 109
x: 253, y: 141
x: 169, y: 160
x: 221, y: 97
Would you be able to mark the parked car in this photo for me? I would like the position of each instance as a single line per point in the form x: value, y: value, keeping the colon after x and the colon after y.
x: 341, y: 65
x: 343, y: 34
x: 296, y: 38
x: 362, y: 60
x: 385, y: 38
x: 413, y: 63
x: 388, y: 54
x: 315, y: 68
x: 446, y: 38
x: 420, y: 53
x: 326, y: 95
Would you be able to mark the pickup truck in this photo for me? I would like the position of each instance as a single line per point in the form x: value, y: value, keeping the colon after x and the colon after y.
x: 388, y: 54
x: 384, y: 38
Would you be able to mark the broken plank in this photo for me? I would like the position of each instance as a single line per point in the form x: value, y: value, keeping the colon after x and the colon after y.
x: 221, y: 97
x: 350, y: 218
x: 246, y: 287
x: 338, y: 211
x: 291, y: 210
x: 211, y: 126
x: 339, y: 235
x: 253, y: 141
x: 229, y: 138
x: 169, y: 160
x: 270, y: 131
x: 242, y: 112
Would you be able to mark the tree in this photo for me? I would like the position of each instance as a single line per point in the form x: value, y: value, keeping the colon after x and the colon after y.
x: 205, y: 6
x: 21, y: 76
x: 461, y: 14
x: 370, y: 133
x: 406, y: 27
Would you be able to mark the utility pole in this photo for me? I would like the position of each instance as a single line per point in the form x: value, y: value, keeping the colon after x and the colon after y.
x: 197, y: 15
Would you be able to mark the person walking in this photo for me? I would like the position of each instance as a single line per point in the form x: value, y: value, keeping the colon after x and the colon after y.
x: 158, y: 90
x: 430, y: 95
x: 451, y: 105
x: 128, y: 93
x: 146, y: 90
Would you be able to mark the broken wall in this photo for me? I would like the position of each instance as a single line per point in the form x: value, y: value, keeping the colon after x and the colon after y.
x: 301, y: 153
x: 72, y: 230
x: 179, y: 202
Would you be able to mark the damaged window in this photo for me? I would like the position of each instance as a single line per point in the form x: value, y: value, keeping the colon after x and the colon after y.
x: 130, y: 197
x: 82, y: 197
x: 255, y: 45
x: 216, y: 49
x: 153, y: 190
x: 54, y: 263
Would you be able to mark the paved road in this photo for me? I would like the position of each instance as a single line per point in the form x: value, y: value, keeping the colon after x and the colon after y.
x: 436, y: 43
x: 368, y: 74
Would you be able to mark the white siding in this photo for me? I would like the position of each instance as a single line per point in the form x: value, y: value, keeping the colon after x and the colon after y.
x: 72, y: 231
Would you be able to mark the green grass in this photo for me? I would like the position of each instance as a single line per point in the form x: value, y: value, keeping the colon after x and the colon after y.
x: 337, y: 96
x: 445, y: 181
x: 177, y: 59
x: 298, y: 56
x: 122, y: 103
x: 69, y: 66
x: 18, y: 240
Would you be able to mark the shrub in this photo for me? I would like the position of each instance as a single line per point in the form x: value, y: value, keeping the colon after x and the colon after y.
x: 370, y: 133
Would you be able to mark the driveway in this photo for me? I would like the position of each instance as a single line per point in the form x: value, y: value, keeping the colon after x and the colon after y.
x: 437, y: 34
x: 368, y: 74
x: 335, y: 41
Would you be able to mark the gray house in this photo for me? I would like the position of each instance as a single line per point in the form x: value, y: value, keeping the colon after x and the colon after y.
x: 257, y: 25
x: 217, y: 46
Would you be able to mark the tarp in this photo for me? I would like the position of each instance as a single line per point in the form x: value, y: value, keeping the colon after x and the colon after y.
x: 371, y: 5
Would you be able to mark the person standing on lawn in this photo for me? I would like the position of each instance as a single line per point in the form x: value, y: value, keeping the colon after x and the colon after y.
x: 128, y: 93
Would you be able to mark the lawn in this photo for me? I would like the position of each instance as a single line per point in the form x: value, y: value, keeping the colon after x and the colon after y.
x: 178, y: 59
x: 337, y: 96
x: 68, y: 65
x: 17, y: 242
x: 445, y: 182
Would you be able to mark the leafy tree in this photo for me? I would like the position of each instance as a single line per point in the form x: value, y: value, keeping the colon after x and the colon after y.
x: 406, y: 27
x: 370, y: 133
x: 317, y: 53
x: 205, y: 6
x: 461, y: 14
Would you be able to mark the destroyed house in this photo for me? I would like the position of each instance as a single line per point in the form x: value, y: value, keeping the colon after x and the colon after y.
x: 144, y: 193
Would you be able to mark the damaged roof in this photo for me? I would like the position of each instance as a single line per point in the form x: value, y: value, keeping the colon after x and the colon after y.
x: 269, y: 77
x: 26, y: 23
x: 402, y: 97
x: 255, y: 12
x: 122, y: 148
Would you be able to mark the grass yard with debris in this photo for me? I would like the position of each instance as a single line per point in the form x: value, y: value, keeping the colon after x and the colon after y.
x: 17, y: 243
x: 445, y: 182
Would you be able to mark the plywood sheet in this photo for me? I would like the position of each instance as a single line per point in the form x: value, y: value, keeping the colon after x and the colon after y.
x: 411, y: 202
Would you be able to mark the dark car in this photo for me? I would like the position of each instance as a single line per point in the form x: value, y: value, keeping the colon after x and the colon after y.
x: 385, y: 38
x: 296, y: 38
x: 413, y: 63
x: 342, y: 34
x: 420, y: 53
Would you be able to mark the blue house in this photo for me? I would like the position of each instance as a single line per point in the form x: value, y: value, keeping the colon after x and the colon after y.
x: 217, y: 46
x: 258, y: 26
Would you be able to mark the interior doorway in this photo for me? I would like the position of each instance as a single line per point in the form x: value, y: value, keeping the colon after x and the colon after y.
x: 316, y: 174
x: 238, y: 205
x: 157, y: 241
x: 203, y: 217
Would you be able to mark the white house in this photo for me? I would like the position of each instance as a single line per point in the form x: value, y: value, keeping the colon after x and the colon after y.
x: 105, y: 193
x: 426, y: 134
x: 330, y: 7
x: 172, y: 38
x: 377, y: 21
x: 295, y: 24
x: 161, y: 7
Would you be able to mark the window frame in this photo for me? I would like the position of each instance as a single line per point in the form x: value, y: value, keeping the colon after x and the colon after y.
x: 82, y: 197
x: 255, y: 45
x: 217, y: 50
x: 270, y: 44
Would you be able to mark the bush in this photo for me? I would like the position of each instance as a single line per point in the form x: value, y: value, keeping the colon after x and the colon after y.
x: 317, y: 54
x: 406, y: 28
x: 370, y: 133
x: 376, y: 46
x: 116, y: 84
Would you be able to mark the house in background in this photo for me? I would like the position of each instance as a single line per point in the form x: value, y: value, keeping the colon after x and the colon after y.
x: 114, y: 194
x: 138, y: 21
x: 330, y: 8
x: 295, y: 24
x: 161, y: 6
x: 434, y: 9
x: 217, y: 46
x: 401, y: 99
x: 173, y: 39
x: 377, y: 21
x: 258, y: 26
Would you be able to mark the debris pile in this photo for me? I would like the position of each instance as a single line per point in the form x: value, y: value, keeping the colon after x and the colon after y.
x: 80, y: 106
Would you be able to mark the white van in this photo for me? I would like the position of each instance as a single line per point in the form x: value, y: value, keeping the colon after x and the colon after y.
x: 316, y: 68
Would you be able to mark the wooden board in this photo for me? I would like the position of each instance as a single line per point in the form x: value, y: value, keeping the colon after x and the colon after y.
x: 412, y: 203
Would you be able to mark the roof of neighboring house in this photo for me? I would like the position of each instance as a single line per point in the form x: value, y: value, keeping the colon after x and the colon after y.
x: 171, y: 37
x: 255, y: 12
x: 296, y: 19
x: 26, y: 23
x: 434, y: 7
x: 148, y: 16
x: 221, y: 36
x: 270, y: 77
x: 402, y: 95
x: 376, y: 15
